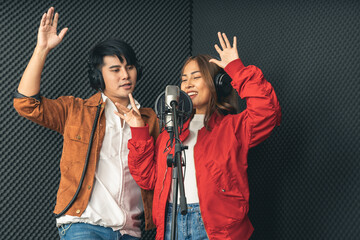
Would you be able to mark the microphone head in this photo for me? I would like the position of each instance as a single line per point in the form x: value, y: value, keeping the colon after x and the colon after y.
x: 172, y: 93
x: 185, y: 107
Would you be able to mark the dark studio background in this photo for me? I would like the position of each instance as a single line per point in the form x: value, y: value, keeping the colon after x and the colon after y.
x: 304, y: 180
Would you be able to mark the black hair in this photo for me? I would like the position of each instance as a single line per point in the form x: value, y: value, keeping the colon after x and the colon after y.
x: 110, y: 47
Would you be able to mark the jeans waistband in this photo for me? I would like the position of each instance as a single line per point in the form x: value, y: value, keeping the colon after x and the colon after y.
x: 191, y: 207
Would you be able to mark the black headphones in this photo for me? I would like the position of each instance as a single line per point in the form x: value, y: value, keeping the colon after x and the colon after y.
x: 97, y: 80
x: 222, y: 84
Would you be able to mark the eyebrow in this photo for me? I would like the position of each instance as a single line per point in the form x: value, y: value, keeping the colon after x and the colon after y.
x: 191, y: 73
x: 115, y: 66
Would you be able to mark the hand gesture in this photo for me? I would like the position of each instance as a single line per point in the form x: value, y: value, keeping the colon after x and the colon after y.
x: 130, y: 116
x: 228, y: 52
x: 47, y: 34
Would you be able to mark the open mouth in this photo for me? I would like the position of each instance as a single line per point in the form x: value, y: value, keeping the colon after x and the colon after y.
x: 126, y: 85
x: 192, y: 94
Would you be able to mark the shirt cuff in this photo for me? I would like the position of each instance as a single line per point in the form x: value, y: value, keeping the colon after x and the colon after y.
x: 19, y: 95
x: 140, y: 133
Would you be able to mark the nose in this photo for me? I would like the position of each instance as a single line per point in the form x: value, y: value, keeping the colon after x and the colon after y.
x: 124, y: 74
x: 188, y: 83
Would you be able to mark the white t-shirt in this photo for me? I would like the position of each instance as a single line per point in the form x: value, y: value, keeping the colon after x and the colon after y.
x: 190, y: 185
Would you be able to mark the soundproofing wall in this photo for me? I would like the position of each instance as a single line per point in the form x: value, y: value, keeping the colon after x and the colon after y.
x: 304, y: 180
x: 160, y: 34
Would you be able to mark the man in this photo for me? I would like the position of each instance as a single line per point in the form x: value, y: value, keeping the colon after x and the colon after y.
x: 97, y: 196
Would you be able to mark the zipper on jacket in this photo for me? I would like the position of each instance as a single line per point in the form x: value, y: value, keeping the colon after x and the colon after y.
x: 163, y: 183
x: 202, y: 217
x: 167, y: 149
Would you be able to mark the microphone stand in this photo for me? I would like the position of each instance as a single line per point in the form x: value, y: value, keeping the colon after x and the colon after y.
x: 178, y: 179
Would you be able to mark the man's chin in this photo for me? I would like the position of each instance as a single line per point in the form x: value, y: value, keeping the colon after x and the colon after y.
x: 125, y: 94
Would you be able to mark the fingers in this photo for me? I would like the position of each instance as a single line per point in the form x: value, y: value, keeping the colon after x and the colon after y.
x: 120, y: 115
x: 213, y: 60
x: 51, y: 16
x: 221, y: 40
x: 217, y: 62
x: 55, y: 21
x: 133, y: 105
x: 62, y: 33
x: 43, y: 20
x: 48, y: 15
x: 122, y: 108
x: 217, y: 49
x: 226, y: 40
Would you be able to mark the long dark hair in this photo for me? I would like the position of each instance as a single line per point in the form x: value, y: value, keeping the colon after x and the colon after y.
x: 224, y: 105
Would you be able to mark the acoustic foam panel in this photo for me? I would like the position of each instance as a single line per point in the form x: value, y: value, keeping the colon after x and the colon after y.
x: 304, y: 180
x: 160, y: 34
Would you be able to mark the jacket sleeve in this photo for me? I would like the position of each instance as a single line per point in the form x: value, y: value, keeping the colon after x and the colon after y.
x: 50, y: 113
x: 141, y: 160
x: 263, y: 111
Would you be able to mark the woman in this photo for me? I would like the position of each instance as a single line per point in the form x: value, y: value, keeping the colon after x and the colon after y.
x: 216, y: 162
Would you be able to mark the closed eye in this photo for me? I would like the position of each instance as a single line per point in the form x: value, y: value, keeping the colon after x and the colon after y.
x: 130, y: 67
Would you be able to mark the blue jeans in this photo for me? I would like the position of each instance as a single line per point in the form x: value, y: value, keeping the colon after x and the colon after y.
x: 189, y: 226
x: 85, y: 231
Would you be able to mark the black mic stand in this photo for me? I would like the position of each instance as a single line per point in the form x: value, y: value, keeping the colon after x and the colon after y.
x: 178, y: 178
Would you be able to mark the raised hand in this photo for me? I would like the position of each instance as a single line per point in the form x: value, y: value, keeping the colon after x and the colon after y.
x: 47, y: 34
x: 130, y: 116
x: 228, y: 53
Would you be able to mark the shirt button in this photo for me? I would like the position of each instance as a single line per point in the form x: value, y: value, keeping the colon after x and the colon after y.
x: 78, y: 137
x: 89, y: 187
x: 78, y: 211
x: 223, y: 190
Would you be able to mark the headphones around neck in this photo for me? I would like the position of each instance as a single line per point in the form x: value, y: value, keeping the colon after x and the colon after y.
x: 222, y: 83
x: 97, y: 80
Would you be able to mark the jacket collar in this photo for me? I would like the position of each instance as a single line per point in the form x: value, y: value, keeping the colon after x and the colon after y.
x: 105, y: 99
x: 215, y: 119
x: 94, y: 100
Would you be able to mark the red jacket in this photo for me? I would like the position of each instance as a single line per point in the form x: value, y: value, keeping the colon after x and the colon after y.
x: 220, y: 157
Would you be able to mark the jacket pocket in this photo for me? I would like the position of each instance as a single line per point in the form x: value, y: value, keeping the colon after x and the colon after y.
x: 225, y: 184
x: 76, y: 142
x: 224, y: 198
x: 77, y: 134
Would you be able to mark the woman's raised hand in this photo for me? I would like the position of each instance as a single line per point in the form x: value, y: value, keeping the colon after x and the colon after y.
x: 130, y: 116
x: 47, y: 34
x: 227, y: 52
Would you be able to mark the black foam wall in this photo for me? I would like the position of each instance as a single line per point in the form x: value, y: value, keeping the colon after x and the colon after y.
x: 304, y: 180
x: 160, y: 34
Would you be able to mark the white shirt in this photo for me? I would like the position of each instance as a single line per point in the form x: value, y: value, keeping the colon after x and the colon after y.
x: 116, y: 198
x: 190, y: 185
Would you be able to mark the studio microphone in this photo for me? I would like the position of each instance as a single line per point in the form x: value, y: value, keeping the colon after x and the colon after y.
x: 172, y: 95
x: 163, y: 107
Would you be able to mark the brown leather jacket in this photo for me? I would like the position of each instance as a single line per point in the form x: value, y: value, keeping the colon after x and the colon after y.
x: 73, y: 118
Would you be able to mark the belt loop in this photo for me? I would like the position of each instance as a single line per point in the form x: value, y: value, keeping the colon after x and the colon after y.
x: 64, y: 230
